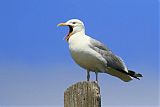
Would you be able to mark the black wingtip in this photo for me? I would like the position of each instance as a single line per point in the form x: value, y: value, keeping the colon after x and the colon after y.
x: 139, y: 75
x: 137, y: 78
x: 134, y: 74
x: 131, y: 73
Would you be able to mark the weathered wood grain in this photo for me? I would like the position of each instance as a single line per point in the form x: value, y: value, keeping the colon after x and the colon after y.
x: 83, y: 94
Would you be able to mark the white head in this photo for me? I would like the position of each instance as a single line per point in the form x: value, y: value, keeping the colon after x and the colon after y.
x: 74, y: 25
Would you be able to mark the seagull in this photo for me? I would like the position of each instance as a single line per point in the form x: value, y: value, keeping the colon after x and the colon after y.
x: 93, y: 55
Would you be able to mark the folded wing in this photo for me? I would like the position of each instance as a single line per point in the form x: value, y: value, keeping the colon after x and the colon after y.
x: 113, y: 61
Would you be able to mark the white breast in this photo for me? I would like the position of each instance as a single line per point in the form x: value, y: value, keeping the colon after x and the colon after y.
x: 83, y: 54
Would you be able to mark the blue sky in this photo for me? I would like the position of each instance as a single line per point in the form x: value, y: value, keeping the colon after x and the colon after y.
x: 35, y: 63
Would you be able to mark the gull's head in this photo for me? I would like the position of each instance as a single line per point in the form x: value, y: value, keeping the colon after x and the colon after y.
x: 74, y: 25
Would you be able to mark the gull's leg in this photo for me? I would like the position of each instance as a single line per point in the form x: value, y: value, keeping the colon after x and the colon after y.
x: 96, y: 76
x: 88, y: 75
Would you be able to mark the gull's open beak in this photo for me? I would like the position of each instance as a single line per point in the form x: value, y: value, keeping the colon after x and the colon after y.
x: 62, y: 24
x: 70, y: 30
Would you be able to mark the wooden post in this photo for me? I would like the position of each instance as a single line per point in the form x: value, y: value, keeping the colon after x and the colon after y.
x: 83, y: 94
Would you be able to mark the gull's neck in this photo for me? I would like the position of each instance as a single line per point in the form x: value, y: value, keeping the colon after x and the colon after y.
x: 82, y: 31
x: 77, y: 36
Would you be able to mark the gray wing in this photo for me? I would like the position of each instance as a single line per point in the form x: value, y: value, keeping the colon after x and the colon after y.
x: 113, y: 61
x: 98, y: 44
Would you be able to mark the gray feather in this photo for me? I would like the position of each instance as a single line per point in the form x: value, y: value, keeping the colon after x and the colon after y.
x: 113, y: 61
x: 98, y: 44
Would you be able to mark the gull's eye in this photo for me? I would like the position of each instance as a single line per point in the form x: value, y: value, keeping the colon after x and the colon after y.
x: 73, y: 22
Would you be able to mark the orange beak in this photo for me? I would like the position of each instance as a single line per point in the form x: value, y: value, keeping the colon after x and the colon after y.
x: 69, y: 34
x: 62, y: 24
